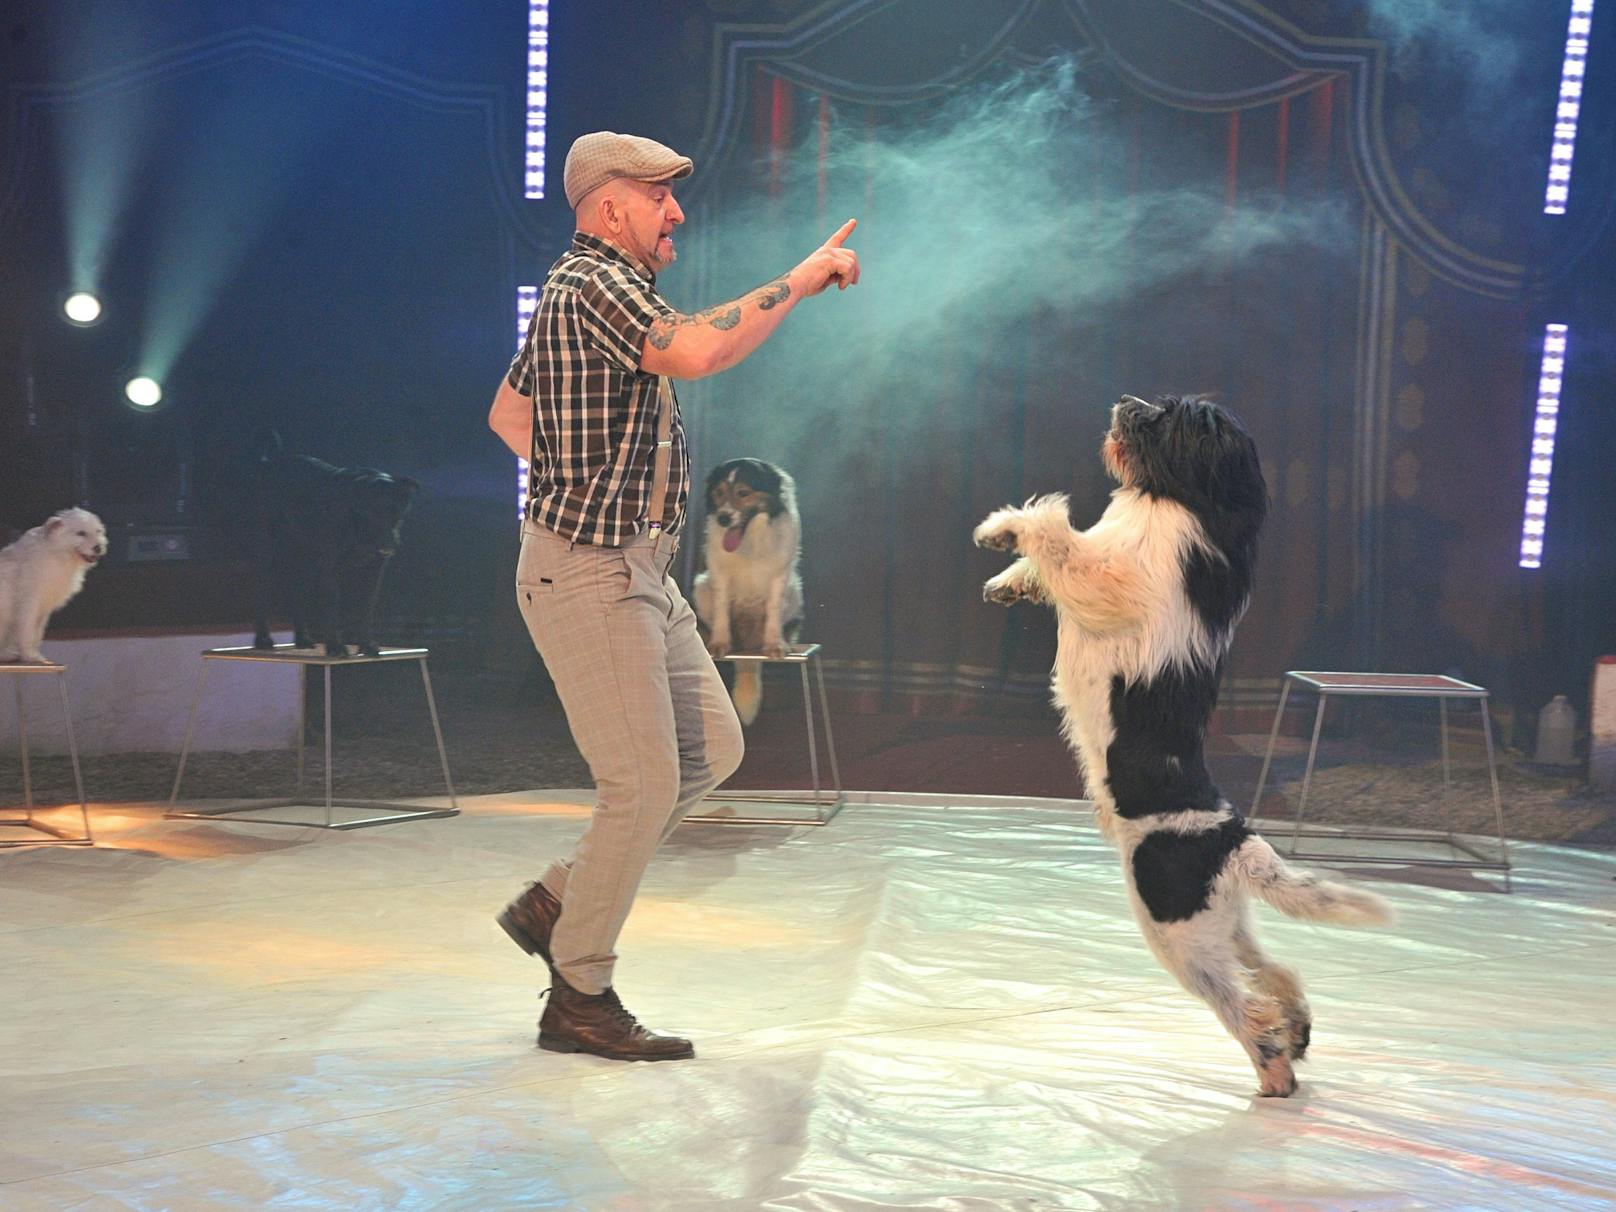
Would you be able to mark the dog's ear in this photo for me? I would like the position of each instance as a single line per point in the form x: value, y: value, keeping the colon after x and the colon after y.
x: 55, y: 524
x: 764, y: 477
x: 716, y: 476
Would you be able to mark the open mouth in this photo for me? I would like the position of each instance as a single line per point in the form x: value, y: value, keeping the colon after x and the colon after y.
x: 734, y: 534
x: 90, y: 559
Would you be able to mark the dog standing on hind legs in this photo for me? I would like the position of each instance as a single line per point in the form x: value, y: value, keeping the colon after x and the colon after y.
x: 750, y: 597
x: 1146, y: 601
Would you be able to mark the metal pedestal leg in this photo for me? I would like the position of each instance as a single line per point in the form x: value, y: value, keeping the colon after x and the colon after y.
x: 394, y: 812
x: 53, y: 836
x: 437, y: 733
x: 1395, y: 685
x: 1307, y: 775
x: 826, y: 802
x: 1273, y: 735
x: 22, y: 741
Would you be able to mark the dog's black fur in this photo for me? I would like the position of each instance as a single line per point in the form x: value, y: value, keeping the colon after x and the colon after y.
x: 322, y: 539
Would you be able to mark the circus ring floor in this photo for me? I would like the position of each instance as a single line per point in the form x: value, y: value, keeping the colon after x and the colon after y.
x: 931, y: 1003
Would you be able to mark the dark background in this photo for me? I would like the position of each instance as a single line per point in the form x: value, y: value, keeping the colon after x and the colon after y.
x: 310, y: 216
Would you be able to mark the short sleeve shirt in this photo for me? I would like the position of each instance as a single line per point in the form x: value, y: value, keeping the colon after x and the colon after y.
x: 594, y: 409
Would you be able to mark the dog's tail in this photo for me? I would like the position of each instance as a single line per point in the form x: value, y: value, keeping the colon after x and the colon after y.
x: 748, y: 691
x: 1302, y: 894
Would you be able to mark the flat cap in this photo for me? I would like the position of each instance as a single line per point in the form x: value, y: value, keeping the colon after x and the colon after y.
x: 596, y: 158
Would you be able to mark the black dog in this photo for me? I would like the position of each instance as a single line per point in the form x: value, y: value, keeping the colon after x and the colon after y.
x: 323, y: 536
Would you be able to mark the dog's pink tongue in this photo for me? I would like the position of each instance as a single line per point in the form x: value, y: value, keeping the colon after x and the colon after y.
x: 732, y: 537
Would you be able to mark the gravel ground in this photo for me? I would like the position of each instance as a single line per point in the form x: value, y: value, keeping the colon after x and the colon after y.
x: 508, y: 735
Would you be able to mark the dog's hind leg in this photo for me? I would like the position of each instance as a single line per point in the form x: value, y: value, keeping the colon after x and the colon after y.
x: 1279, y: 982
x: 9, y: 650
x: 1211, y: 970
x: 32, y: 614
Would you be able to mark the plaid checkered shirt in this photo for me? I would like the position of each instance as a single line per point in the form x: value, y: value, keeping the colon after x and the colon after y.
x: 594, y: 409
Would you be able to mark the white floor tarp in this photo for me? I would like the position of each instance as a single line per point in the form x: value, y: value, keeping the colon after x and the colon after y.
x: 930, y: 1005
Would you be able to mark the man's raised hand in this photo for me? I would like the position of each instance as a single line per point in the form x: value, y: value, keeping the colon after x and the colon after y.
x: 831, y: 262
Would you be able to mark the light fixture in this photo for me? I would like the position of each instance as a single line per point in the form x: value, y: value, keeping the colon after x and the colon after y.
x: 82, y: 308
x: 143, y: 392
x: 1572, y: 72
x: 1540, y: 467
x: 527, y: 299
x: 538, y: 84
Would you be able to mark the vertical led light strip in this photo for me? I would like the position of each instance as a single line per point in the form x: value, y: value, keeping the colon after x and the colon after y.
x: 527, y: 298
x: 1572, y: 72
x: 538, y: 85
x: 1551, y: 371
x: 1544, y: 425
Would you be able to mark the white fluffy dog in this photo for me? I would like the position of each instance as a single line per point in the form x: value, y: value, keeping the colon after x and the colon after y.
x: 39, y: 573
x: 1147, y: 600
x: 750, y: 597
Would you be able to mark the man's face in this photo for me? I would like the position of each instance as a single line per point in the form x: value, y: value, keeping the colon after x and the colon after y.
x: 649, y: 214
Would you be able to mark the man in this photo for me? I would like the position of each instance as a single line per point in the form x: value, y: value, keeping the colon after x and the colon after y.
x: 609, y: 479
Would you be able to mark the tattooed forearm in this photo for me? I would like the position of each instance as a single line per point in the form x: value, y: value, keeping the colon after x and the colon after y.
x: 723, y: 317
x: 775, y: 292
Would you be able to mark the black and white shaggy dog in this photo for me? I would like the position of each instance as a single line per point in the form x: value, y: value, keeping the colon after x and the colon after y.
x: 1147, y: 601
x: 750, y: 597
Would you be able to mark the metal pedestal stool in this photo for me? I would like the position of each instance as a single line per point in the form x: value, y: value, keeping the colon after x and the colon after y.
x: 1393, y: 685
x: 52, y: 835
x: 303, y: 658
x: 826, y: 802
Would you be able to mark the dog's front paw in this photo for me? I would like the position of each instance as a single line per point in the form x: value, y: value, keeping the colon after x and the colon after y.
x: 998, y: 531
x: 263, y: 641
x: 332, y: 648
x: 776, y: 649
x: 718, y: 647
x: 1003, y: 591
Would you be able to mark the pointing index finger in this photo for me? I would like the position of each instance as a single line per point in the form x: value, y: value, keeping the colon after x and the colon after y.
x: 842, y: 232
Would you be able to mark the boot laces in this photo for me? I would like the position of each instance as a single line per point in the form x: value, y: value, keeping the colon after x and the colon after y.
x: 618, y: 1010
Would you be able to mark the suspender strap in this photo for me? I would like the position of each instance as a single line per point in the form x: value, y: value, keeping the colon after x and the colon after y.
x: 664, y: 453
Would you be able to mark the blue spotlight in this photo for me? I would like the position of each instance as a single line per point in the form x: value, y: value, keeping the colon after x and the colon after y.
x: 143, y: 393
x: 82, y: 308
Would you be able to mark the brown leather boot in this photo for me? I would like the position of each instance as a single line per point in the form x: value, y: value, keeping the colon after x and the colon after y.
x: 530, y: 919
x: 598, y: 1024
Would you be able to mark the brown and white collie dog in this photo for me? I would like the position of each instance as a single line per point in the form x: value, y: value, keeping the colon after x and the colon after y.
x: 1146, y: 601
x: 749, y: 600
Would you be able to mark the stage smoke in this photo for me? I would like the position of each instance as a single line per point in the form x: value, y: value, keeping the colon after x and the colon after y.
x: 1009, y: 203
